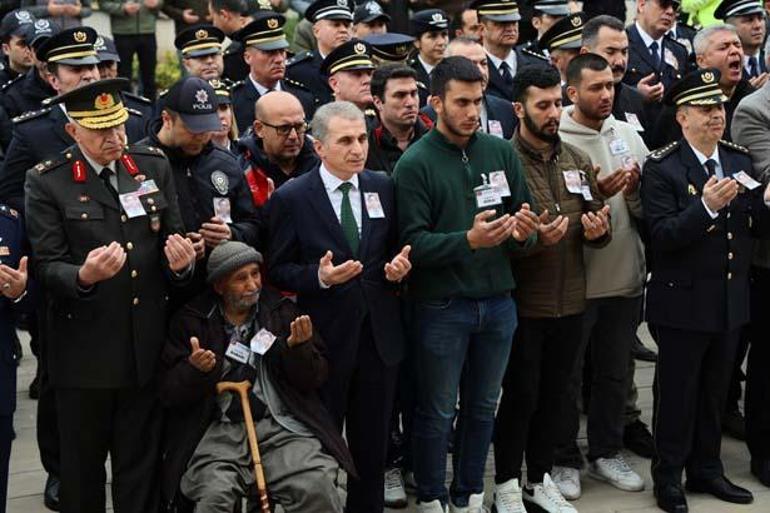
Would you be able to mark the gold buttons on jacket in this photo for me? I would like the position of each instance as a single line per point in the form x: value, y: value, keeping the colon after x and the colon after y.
x: 83, y: 216
x: 729, y: 276
x: 729, y: 235
x: 136, y: 301
x: 730, y: 255
x: 134, y: 273
x: 123, y: 218
x: 129, y: 246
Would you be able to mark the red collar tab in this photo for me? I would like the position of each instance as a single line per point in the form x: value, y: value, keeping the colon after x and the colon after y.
x: 129, y: 164
x: 79, y: 171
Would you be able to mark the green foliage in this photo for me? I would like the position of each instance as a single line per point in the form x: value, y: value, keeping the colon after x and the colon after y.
x: 167, y: 71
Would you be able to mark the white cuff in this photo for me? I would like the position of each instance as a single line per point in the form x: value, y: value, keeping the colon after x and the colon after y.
x: 713, y: 214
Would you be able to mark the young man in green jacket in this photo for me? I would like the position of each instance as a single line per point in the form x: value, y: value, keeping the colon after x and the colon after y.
x: 133, y: 29
x: 464, y: 209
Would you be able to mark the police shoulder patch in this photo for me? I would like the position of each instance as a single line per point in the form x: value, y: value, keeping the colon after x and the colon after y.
x: 420, y: 85
x: 296, y: 83
x: 31, y: 114
x: 664, y: 152
x: 141, y: 149
x: 137, y: 97
x: 12, y: 81
x: 237, y: 85
x: 530, y: 53
x: 731, y: 145
x: 134, y: 112
x: 300, y: 57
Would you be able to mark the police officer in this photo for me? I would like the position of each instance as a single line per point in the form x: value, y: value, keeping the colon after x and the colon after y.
x: 265, y: 47
x: 26, y: 92
x: 430, y: 29
x: 699, y: 210
x: 545, y: 13
x: 349, y: 68
x: 201, y: 49
x: 13, y: 280
x: 108, y: 57
x: 214, y: 199
x: 72, y: 61
x: 105, y: 228
x: 332, y: 21
x: 562, y: 42
x: 369, y: 18
x: 13, y: 31
x: 390, y: 48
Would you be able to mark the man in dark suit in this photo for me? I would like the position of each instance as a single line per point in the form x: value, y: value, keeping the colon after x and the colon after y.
x: 655, y: 61
x: 748, y: 18
x: 699, y: 210
x: 430, y: 29
x: 265, y: 52
x: 104, y: 227
x: 333, y: 241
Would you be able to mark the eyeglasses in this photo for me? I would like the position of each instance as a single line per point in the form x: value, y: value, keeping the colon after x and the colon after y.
x: 285, y: 130
x: 665, y: 4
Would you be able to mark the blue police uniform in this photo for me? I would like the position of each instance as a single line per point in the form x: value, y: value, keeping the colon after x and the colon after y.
x: 245, y: 95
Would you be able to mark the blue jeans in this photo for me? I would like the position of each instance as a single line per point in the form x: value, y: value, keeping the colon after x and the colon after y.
x: 460, y: 343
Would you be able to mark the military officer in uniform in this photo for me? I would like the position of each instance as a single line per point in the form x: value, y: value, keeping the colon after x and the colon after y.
x: 390, y: 48
x: 700, y: 210
x: 562, y: 42
x: 430, y: 29
x: 104, y: 226
x: 265, y: 47
x: 13, y: 290
x: 108, y: 57
x: 230, y: 16
x: 349, y: 68
x: 72, y: 61
x: 331, y: 21
x: 545, y: 13
x: 201, y: 49
x: 26, y: 92
x: 214, y: 199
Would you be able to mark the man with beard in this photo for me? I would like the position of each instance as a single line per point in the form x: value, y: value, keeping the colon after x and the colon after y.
x: 349, y: 68
x: 18, y: 56
x: 748, y: 18
x: 278, y: 149
x: 500, y: 22
x: 655, y: 62
x: 464, y: 315
x: 497, y: 117
x: 550, y: 295
x: 206, y: 176
x: 717, y: 46
x: 430, y: 29
x: 614, y: 298
x: 332, y: 21
x: 230, y: 16
x: 265, y: 47
x: 700, y: 222
x: 394, y: 89
x: 201, y: 49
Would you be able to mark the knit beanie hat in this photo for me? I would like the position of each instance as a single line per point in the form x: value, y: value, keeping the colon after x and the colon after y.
x: 228, y: 257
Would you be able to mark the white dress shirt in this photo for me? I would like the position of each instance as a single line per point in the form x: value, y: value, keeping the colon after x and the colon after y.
x: 717, y: 171
x: 98, y: 168
x: 331, y: 184
x: 648, y: 40
x: 510, y: 60
x: 262, y: 90
x: 428, y: 67
x: 746, y: 66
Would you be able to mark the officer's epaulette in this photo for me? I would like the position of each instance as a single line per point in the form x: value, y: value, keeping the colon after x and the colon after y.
x: 237, y: 85
x: 420, y: 85
x: 47, y: 165
x: 370, y: 112
x: 537, y: 55
x: 296, y: 84
x: 8, y: 212
x: 31, y: 114
x: 47, y: 101
x: 134, y: 112
x: 142, y: 149
x: 664, y: 152
x: 233, y: 47
x: 138, y: 97
x: 674, y: 41
x: 303, y: 56
x: 12, y: 81
x: 163, y: 93
x: 733, y: 146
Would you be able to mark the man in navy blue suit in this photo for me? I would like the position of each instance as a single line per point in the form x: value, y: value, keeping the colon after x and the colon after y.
x: 333, y: 241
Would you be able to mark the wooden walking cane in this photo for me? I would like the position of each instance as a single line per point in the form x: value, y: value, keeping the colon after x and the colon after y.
x: 242, y: 389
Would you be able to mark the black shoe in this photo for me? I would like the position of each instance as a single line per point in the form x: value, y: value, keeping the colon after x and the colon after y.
x: 640, y: 352
x: 638, y: 439
x: 671, y: 498
x: 761, y: 470
x: 34, y: 389
x: 18, y: 352
x: 51, y: 496
x: 734, y: 425
x: 721, y: 488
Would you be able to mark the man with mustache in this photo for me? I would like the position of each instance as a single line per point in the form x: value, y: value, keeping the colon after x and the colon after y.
x: 655, y: 61
x: 430, y: 29
x: 332, y: 20
x: 205, y: 175
x: 333, y: 241
x: 104, y: 226
x: 613, y: 298
x: 201, y: 49
x: 264, y: 51
x: 700, y: 219
x: 550, y: 295
x: 748, y: 18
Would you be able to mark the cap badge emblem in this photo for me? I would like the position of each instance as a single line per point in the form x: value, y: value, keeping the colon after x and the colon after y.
x: 359, y: 48
x: 438, y: 17
x: 42, y: 25
x: 201, y: 34
x: 272, y: 23
x: 80, y: 37
x: 708, y: 77
x: 104, y: 101
x: 342, y: 3
x: 576, y: 21
x: 201, y: 96
x: 23, y: 16
x: 265, y: 5
x: 373, y: 8
x: 220, y: 182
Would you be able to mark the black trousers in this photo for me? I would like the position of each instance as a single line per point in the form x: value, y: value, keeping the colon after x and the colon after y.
x: 6, y: 437
x: 145, y: 47
x: 691, y: 381
x: 47, y: 421
x: 359, y: 395
x: 124, y: 423
x: 542, y: 358
x: 757, y: 376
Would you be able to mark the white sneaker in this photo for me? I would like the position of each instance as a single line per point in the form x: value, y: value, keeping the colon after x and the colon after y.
x: 395, y: 495
x: 475, y: 505
x: 616, y: 472
x: 547, y: 496
x: 430, y: 507
x: 508, y: 497
x: 568, y: 481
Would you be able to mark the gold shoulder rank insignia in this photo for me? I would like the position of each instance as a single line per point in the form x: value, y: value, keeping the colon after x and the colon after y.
x: 663, y: 152
x: 733, y: 146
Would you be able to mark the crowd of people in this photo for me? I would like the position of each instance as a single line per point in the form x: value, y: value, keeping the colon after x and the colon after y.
x: 408, y: 244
